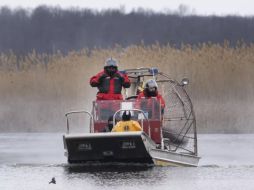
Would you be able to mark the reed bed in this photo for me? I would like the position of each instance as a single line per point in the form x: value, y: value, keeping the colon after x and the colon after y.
x: 37, y: 89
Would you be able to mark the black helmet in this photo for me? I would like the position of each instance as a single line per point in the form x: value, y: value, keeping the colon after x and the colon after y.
x: 126, y: 116
x: 110, y: 66
x: 151, y: 88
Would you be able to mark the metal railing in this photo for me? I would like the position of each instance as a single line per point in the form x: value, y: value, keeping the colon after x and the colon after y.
x: 77, y: 112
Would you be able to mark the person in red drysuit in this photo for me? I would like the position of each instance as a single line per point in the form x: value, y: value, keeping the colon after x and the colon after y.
x: 150, y: 91
x: 110, y: 82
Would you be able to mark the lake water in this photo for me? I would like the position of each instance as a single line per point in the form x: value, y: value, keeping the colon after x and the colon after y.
x: 30, y: 160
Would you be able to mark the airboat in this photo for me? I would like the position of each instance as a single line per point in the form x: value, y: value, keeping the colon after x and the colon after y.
x: 166, y: 139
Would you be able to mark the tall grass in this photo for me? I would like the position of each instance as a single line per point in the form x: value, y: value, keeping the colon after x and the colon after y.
x: 37, y: 89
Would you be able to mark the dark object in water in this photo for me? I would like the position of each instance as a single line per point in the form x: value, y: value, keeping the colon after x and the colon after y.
x: 53, y: 180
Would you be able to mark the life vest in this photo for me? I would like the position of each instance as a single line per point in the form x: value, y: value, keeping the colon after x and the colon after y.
x: 110, y: 85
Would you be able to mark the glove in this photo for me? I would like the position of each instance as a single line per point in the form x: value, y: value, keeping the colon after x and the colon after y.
x: 102, y: 77
x: 121, y: 79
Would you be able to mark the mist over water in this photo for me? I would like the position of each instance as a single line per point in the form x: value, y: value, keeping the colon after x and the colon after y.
x: 30, y: 160
x: 220, y: 150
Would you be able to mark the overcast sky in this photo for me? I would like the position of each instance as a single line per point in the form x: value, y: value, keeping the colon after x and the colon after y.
x: 203, y: 7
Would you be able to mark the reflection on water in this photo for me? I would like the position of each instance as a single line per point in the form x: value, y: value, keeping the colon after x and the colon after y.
x: 108, y: 167
x: 29, y: 161
x: 125, y: 177
x: 115, y: 175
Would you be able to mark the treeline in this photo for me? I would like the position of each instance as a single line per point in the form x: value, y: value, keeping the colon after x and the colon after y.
x: 49, y: 29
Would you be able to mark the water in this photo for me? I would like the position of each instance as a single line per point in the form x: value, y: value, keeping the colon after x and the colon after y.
x: 30, y: 160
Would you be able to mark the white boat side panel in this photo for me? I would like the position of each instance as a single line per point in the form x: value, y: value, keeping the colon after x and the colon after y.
x: 174, y: 158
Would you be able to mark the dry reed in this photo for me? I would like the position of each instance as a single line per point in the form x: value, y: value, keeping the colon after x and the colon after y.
x: 38, y: 89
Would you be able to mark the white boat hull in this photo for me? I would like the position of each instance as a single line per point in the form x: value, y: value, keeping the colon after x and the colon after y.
x: 169, y: 158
